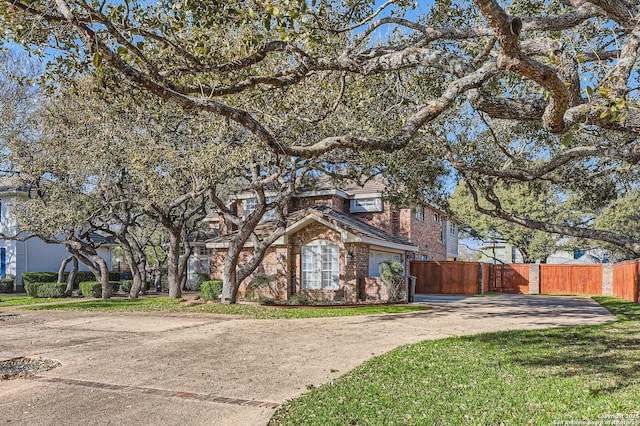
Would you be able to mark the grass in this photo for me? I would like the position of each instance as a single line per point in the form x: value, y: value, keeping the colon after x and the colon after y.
x: 23, y: 300
x: 163, y: 304
x: 536, y: 377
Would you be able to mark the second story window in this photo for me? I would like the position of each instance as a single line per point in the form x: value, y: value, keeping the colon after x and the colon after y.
x: 420, y: 213
x: 366, y: 205
x: 251, y: 204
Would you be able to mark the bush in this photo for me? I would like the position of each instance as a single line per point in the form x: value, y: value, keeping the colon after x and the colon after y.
x: 32, y: 289
x: 211, y: 290
x: 39, y: 277
x: 115, y: 286
x: 126, y: 285
x: 392, y: 274
x: 46, y: 290
x: 6, y: 285
x: 301, y: 299
x: 51, y: 277
x: 91, y: 288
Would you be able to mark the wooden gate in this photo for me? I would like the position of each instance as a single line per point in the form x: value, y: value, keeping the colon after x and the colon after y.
x: 512, y: 278
x: 571, y: 279
x: 434, y: 277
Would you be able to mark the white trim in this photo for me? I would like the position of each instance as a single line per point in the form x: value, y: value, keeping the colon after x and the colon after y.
x: 388, y: 244
x: 366, y: 195
x: 323, y: 193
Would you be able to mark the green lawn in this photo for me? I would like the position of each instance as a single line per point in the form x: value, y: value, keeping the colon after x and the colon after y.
x: 163, y: 304
x: 9, y: 300
x: 538, y: 377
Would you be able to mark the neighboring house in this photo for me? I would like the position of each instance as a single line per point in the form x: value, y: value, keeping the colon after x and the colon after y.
x: 32, y: 255
x: 200, y: 259
x: 336, y: 238
x: 499, y: 252
x: 577, y: 257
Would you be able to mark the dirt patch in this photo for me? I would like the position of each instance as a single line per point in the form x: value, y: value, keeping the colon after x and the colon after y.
x: 16, y: 368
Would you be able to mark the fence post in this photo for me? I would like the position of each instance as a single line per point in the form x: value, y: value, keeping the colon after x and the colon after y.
x: 480, y: 278
x: 534, y: 278
x: 607, y: 279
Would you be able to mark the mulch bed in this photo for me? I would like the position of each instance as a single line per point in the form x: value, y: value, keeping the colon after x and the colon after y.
x: 16, y: 368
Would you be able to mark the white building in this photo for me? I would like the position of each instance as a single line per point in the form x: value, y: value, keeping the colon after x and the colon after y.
x: 32, y: 255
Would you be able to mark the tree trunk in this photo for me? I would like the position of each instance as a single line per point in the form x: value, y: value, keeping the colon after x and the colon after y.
x: 136, y: 272
x: 173, y: 266
x: 107, y: 291
x: 72, y: 277
x: 229, y: 286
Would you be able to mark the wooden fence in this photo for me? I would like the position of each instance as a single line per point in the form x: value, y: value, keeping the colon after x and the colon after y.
x: 626, y: 280
x: 446, y: 277
x: 621, y: 280
x: 571, y: 279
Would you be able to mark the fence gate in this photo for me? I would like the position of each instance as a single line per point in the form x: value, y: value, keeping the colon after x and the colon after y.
x: 446, y: 277
x: 512, y: 278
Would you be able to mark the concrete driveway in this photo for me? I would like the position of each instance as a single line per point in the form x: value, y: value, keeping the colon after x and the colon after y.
x: 177, y: 369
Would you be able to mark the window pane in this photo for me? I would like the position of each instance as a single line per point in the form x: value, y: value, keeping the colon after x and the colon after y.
x: 311, y: 267
x: 330, y: 267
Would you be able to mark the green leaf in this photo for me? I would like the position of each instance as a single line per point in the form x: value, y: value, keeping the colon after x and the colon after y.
x: 97, y: 60
x: 567, y: 139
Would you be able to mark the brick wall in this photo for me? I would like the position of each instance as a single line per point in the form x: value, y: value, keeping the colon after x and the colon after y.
x: 423, y: 233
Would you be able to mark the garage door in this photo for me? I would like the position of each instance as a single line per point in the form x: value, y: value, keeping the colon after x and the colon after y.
x: 377, y: 257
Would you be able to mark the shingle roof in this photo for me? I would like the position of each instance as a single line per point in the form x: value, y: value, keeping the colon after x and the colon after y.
x: 12, y: 184
x: 370, y: 185
x: 339, y: 219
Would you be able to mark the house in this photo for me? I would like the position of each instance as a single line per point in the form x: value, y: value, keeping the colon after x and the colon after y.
x: 335, y: 239
x: 578, y: 257
x: 199, y: 262
x: 499, y: 252
x: 33, y: 254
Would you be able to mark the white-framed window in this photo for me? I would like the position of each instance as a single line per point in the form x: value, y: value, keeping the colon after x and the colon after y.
x: 420, y: 213
x: 366, y: 205
x: 423, y: 257
x: 436, y: 217
x: 203, y: 251
x: 320, y: 265
x: 442, y: 231
x: 250, y: 204
x: 452, y: 229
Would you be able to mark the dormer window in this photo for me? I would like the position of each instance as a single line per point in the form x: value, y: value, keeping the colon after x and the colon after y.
x: 366, y: 205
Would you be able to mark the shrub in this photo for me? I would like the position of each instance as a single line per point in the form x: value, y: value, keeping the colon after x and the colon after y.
x: 6, y: 285
x: 392, y: 274
x: 39, y: 277
x: 211, y: 290
x: 32, y: 289
x: 51, y: 290
x: 115, y: 286
x: 51, y: 277
x: 300, y: 299
x: 91, y: 288
x: 126, y: 285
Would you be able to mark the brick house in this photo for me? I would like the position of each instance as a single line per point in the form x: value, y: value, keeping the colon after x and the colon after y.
x: 334, y: 241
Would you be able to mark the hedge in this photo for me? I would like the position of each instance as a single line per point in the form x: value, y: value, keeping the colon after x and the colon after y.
x: 51, y: 277
x: 91, y: 288
x: 211, y: 290
x: 45, y: 290
x: 6, y: 285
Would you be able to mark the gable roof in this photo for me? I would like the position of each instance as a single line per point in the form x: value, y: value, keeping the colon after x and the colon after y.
x: 361, y: 230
